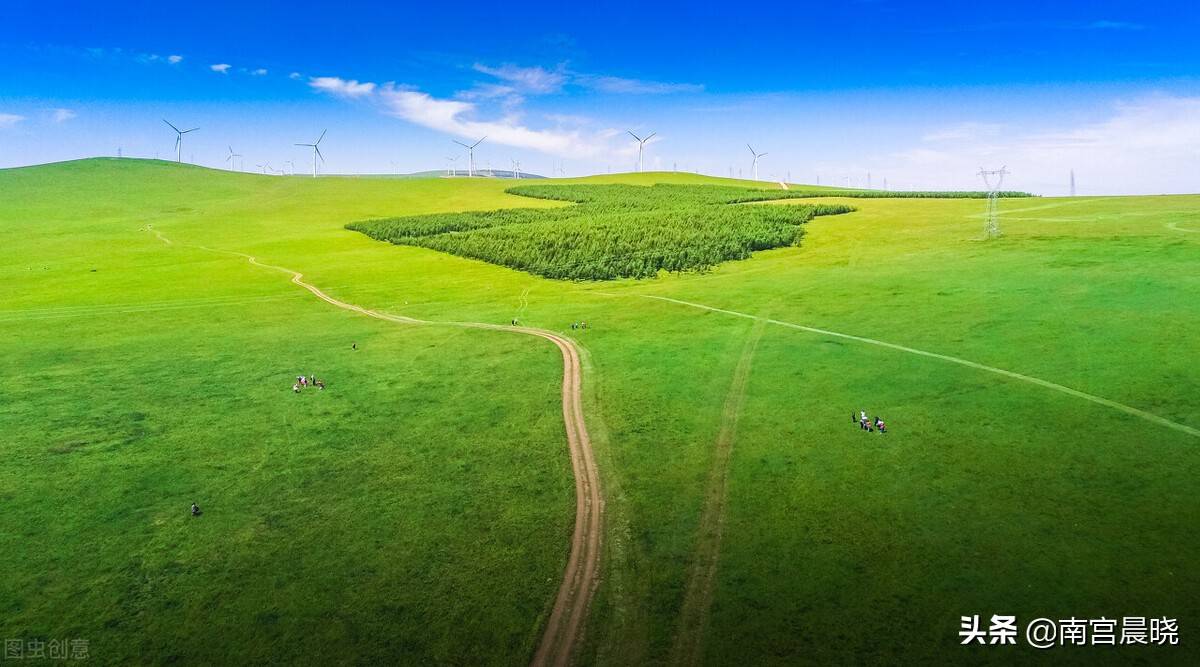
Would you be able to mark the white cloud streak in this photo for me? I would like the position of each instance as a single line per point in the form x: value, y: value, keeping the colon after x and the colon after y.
x: 220, y: 68
x: 344, y: 88
x: 540, y: 81
x: 460, y: 119
x: 61, y: 115
x: 622, y: 86
x: 174, y: 59
x: 10, y: 119
x: 526, y: 80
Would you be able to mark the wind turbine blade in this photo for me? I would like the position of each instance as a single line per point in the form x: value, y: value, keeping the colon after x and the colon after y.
x: 191, y: 130
x: 318, y: 150
x: 460, y: 143
x: 169, y: 125
x: 639, y: 139
x: 304, y: 144
x: 322, y: 135
x: 751, y: 149
x: 760, y: 154
x: 478, y: 142
x: 650, y: 135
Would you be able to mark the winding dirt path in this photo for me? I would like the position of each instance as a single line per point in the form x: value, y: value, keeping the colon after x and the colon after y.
x: 565, y: 625
x: 688, y: 647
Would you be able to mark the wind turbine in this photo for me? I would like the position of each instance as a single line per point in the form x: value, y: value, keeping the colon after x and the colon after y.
x: 230, y: 158
x: 516, y: 169
x: 179, y: 138
x: 470, y: 154
x: 450, y: 171
x: 293, y: 167
x: 316, y: 146
x: 641, y: 145
x: 756, y: 156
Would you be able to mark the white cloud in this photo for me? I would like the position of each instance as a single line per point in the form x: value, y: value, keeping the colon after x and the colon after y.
x: 458, y: 118
x: 174, y: 59
x: 338, y: 87
x: 964, y: 131
x: 1146, y: 146
x: 295, y: 76
x: 501, y: 122
x: 528, y: 80
x: 61, y: 115
x: 541, y: 81
x: 10, y: 119
x: 616, y: 84
x: 1114, y: 25
x: 259, y: 72
x: 222, y: 68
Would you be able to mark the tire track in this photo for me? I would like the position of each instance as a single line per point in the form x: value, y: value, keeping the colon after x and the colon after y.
x: 565, y: 625
x: 692, y: 628
x: 1127, y: 409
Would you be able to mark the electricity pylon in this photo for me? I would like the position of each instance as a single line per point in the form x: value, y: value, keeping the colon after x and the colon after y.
x: 991, y: 224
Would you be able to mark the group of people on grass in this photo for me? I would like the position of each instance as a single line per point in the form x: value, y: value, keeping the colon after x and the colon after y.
x: 303, y: 381
x: 867, y: 424
x: 574, y: 325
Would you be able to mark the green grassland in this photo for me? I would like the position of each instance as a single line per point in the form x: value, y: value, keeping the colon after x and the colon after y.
x: 419, y: 508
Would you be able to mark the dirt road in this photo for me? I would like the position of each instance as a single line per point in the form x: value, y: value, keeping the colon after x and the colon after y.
x: 565, y: 625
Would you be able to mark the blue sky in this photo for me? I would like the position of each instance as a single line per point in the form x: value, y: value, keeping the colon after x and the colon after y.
x: 920, y: 94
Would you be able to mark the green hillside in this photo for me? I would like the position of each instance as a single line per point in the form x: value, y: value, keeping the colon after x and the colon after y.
x: 1039, y: 391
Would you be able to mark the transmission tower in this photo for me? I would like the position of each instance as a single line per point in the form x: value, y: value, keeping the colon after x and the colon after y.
x: 1072, y: 182
x: 991, y: 225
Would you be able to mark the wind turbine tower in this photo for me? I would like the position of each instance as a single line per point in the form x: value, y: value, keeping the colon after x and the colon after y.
x: 179, y: 139
x: 641, y: 145
x: 1072, y: 182
x: 470, y: 155
x: 316, y: 146
x: 450, y: 164
x: 232, y: 159
x: 756, y: 156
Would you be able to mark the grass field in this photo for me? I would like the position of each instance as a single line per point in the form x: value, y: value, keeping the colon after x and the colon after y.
x: 419, y: 509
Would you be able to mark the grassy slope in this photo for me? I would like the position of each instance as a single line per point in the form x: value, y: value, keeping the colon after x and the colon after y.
x: 418, y: 509
x: 991, y: 496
